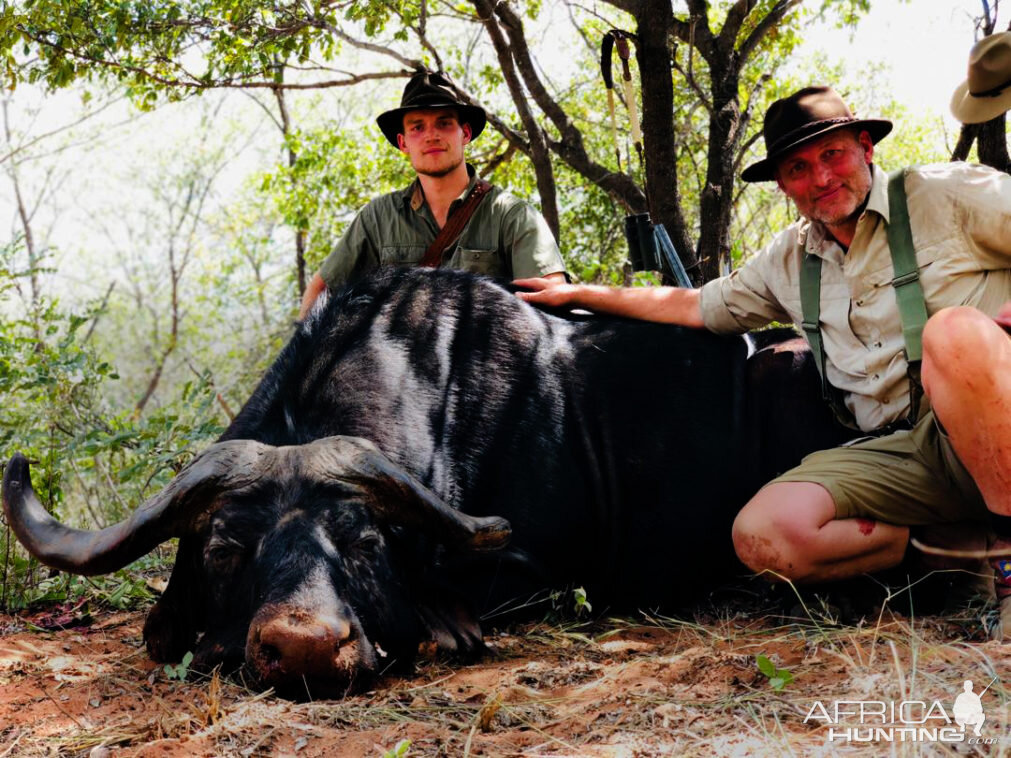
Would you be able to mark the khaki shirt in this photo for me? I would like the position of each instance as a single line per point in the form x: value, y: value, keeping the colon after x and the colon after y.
x: 960, y: 216
x: 505, y: 237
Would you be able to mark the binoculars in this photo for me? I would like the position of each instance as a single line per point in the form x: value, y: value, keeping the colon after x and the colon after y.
x: 650, y: 249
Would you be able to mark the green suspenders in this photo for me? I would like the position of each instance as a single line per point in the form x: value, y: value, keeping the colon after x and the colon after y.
x: 908, y: 294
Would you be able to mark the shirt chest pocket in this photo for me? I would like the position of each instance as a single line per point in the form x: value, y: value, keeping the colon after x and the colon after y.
x: 479, y: 261
x: 401, y: 255
x: 925, y: 260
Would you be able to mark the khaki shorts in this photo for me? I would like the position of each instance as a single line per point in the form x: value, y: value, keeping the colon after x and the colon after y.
x: 907, y: 478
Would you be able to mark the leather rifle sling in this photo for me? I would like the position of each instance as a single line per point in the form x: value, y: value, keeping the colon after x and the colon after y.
x: 454, y: 225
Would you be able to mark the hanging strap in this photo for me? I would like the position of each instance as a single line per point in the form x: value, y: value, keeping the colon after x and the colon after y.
x: 908, y: 291
x: 810, y: 305
x: 454, y: 225
x: 908, y: 295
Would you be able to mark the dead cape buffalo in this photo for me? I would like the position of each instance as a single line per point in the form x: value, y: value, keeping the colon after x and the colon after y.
x: 427, y: 448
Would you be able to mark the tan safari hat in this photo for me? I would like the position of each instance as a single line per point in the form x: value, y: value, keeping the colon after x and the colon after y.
x: 986, y: 93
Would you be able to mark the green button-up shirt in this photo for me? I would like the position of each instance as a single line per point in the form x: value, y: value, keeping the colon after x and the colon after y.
x: 960, y: 217
x: 505, y: 237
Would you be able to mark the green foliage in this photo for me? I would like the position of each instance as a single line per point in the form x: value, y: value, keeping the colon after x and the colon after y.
x: 47, y: 377
x: 778, y: 678
x: 91, y: 461
x: 335, y: 173
x: 582, y: 605
x: 400, y: 750
x: 122, y: 590
x: 845, y: 12
x: 181, y: 669
x: 169, y: 50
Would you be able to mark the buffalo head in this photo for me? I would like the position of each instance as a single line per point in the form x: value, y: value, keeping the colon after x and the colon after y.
x: 311, y: 566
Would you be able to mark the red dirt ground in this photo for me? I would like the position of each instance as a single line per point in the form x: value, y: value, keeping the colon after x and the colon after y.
x: 615, y: 688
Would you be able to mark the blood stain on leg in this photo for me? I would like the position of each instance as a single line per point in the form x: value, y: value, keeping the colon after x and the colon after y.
x: 866, y: 525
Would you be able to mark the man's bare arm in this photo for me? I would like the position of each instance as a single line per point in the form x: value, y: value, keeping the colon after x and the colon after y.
x: 668, y: 305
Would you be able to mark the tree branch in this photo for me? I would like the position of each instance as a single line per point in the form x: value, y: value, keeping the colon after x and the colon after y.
x: 538, y: 147
x: 966, y: 136
x: 570, y: 147
x: 631, y: 7
x: 699, y: 33
x: 197, y: 83
x: 693, y: 83
x: 520, y: 52
x: 411, y: 63
x: 727, y: 38
x: 763, y: 27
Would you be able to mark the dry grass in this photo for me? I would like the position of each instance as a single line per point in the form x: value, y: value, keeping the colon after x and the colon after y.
x: 615, y: 687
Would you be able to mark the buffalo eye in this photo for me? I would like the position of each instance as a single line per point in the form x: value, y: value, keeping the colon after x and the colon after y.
x: 368, y: 546
x: 222, y: 556
x: 219, y: 557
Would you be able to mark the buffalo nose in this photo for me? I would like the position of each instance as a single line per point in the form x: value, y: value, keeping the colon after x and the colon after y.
x: 297, y: 643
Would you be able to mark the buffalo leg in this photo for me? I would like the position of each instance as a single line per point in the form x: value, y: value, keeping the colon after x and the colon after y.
x: 172, y: 625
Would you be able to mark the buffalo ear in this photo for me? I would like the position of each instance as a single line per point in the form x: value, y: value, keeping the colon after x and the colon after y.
x: 396, y: 497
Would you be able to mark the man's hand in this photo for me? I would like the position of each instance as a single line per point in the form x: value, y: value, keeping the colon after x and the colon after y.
x: 549, y: 290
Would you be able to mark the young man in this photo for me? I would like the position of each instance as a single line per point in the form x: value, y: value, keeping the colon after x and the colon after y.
x: 848, y: 510
x: 504, y: 237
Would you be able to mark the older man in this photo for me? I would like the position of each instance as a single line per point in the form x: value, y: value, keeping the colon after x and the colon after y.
x: 948, y: 458
x: 447, y: 216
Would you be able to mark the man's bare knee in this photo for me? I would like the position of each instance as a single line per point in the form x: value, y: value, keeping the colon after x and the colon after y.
x: 966, y: 361
x: 956, y: 334
x: 774, y: 533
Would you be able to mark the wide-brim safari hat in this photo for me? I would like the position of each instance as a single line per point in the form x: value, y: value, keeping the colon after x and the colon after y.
x: 430, y: 89
x: 986, y: 93
x: 804, y: 115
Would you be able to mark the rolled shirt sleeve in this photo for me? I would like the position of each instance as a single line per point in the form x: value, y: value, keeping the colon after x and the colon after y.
x: 533, y: 249
x: 354, y: 252
x: 748, y: 297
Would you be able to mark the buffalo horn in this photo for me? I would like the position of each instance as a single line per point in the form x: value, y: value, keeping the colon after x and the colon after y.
x: 223, y: 466
x: 398, y: 498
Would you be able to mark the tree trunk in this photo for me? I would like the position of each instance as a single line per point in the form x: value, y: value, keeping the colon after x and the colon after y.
x: 24, y: 217
x: 716, y: 202
x: 966, y: 136
x: 513, y: 58
x: 991, y: 144
x: 300, y: 234
x: 655, y: 21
